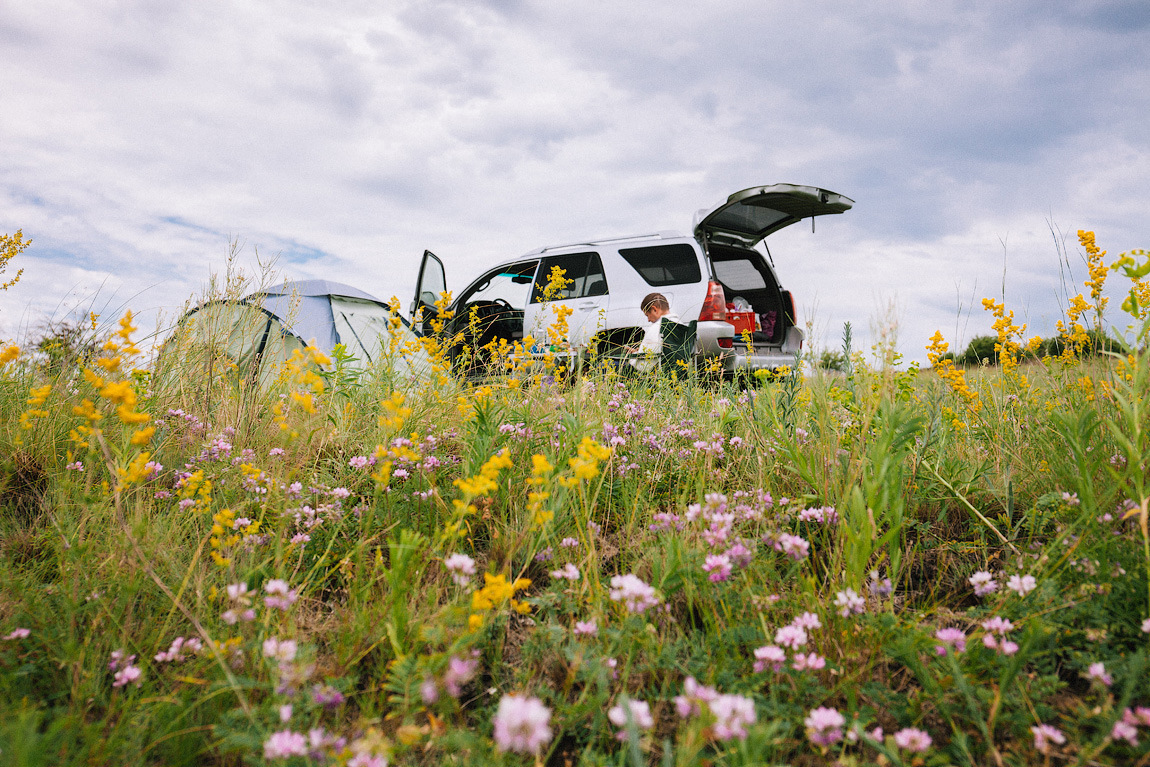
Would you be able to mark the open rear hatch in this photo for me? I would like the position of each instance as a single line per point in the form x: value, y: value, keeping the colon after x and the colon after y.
x: 748, y: 216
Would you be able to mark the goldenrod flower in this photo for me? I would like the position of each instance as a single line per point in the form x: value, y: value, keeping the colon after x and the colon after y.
x: 954, y: 378
x: 136, y: 471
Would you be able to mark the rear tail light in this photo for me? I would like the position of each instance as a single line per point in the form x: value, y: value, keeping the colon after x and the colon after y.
x: 789, y: 305
x: 726, y: 343
x: 714, y: 305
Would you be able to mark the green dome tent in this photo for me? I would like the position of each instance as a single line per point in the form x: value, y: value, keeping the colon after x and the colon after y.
x: 254, y: 335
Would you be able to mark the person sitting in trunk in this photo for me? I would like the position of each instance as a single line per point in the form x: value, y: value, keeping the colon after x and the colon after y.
x: 655, y: 308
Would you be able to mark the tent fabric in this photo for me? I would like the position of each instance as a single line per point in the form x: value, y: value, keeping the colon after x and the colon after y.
x: 258, y: 332
x: 324, y: 313
x: 321, y: 288
x: 309, y: 317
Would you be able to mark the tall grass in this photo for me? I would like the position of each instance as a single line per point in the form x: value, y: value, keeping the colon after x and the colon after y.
x: 363, y: 568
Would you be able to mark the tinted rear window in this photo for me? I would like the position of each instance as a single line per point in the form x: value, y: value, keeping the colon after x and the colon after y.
x: 664, y: 264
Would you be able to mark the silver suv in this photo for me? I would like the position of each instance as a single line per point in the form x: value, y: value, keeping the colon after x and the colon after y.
x: 719, y: 276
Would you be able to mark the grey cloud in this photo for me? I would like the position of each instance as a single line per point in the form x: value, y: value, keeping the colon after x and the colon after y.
x: 481, y: 129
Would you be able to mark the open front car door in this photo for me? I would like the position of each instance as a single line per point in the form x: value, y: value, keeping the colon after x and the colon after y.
x: 431, y: 284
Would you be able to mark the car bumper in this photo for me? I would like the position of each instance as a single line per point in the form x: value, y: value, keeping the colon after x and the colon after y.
x: 735, y: 355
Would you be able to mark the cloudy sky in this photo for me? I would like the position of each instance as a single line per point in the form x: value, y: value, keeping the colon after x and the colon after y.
x: 141, y: 138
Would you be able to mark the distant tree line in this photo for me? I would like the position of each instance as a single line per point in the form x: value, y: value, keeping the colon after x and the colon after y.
x: 980, y: 351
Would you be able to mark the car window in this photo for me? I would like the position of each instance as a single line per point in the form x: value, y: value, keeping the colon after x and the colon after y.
x: 662, y: 265
x: 584, y: 272
x: 747, y: 218
x: 740, y: 274
x: 511, y: 284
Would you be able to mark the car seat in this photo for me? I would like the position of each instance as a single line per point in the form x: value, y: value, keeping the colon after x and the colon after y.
x: 678, y: 352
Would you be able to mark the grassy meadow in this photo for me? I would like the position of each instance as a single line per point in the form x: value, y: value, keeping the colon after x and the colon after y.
x: 873, y: 566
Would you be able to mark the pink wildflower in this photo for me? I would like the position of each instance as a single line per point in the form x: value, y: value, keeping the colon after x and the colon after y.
x: 912, y: 739
x: 233, y: 616
x: 719, y: 567
x: 327, y: 696
x: 824, y: 726
x: 792, y: 636
x: 640, y: 714
x: 19, y: 633
x: 635, y: 595
x: 771, y: 656
x: 1097, y: 673
x: 459, y: 672
x: 461, y: 567
x: 848, y: 601
x: 950, y: 638
x: 983, y: 583
x: 1123, y: 730
x: 740, y: 555
x: 733, y: 715
x: 569, y: 572
x: 793, y: 546
x: 127, y: 675
x: 285, y: 743
x: 998, y: 625
x: 586, y: 628
x: 694, y: 695
x: 280, y: 595
x: 1044, y: 735
x: 1022, y: 585
x: 825, y: 515
x: 281, y: 650
x: 521, y: 724
x: 812, y: 661
x: 238, y: 592
x: 176, y: 651
x: 807, y: 621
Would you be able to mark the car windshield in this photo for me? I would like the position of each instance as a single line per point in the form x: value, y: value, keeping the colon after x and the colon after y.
x: 511, y: 284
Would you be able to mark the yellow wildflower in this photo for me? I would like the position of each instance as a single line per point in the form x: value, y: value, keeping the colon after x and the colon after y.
x: 136, y: 471
x: 953, y: 377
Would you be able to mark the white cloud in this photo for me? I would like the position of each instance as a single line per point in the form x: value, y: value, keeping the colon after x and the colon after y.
x: 140, y: 137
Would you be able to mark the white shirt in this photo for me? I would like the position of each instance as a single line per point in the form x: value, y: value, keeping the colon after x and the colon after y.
x: 652, y: 342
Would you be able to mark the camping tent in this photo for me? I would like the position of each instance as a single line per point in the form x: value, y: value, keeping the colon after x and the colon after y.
x: 255, y: 334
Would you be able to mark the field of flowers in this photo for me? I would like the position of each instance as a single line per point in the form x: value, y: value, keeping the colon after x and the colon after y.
x: 882, y: 566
